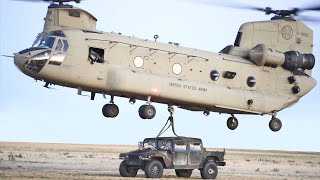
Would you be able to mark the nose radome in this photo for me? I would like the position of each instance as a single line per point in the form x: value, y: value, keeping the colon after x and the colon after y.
x: 19, y: 60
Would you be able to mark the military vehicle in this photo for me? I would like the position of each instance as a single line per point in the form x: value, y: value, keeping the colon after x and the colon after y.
x: 267, y: 69
x: 183, y: 154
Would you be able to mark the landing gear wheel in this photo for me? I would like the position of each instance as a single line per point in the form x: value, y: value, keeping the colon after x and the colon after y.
x: 125, y: 171
x: 154, y: 169
x: 147, y: 111
x: 275, y: 124
x: 183, y: 172
x: 209, y: 170
x: 110, y: 110
x: 232, y: 123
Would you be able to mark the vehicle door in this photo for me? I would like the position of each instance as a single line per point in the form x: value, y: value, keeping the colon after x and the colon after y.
x: 195, y: 154
x: 180, y: 154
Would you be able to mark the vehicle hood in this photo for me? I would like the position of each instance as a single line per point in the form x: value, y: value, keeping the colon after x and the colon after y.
x: 143, y: 153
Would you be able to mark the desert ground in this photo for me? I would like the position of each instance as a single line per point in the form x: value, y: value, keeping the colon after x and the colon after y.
x: 72, y: 161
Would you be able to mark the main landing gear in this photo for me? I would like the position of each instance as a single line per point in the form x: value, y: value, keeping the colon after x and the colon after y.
x: 146, y: 111
x: 110, y: 110
x: 275, y: 123
x: 232, y: 122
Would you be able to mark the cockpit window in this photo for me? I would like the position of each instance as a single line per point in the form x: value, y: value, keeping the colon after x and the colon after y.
x: 56, y: 33
x: 47, y: 42
x: 44, y: 41
x: 59, y: 45
x: 66, y: 45
x: 37, y: 62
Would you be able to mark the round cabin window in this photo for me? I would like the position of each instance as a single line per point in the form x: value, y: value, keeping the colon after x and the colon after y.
x: 214, y: 75
x: 138, y: 62
x: 251, y: 81
x: 177, y: 69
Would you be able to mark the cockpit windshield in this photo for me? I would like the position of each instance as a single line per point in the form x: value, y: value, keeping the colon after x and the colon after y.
x: 44, y: 41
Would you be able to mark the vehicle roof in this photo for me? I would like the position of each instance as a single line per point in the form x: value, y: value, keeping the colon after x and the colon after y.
x: 179, y: 138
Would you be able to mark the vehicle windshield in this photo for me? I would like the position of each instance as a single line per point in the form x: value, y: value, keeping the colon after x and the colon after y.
x: 154, y: 144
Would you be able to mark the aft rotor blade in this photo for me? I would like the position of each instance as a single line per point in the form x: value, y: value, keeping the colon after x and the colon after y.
x: 309, y: 18
x: 231, y: 4
x: 314, y: 8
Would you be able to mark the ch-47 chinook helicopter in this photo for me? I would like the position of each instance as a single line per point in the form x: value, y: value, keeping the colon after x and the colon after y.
x: 267, y: 69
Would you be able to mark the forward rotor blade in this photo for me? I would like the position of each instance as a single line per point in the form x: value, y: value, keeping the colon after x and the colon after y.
x: 59, y: 1
x: 32, y: 0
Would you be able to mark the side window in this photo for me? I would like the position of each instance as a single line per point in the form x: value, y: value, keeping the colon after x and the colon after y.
x: 195, y: 147
x: 96, y: 55
x: 66, y: 45
x: 164, y: 145
x: 180, y: 147
x: 59, y: 45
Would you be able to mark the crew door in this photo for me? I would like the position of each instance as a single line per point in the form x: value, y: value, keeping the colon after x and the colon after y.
x: 97, y: 67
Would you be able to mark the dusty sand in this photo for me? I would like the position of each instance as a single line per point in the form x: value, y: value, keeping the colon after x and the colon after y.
x: 70, y: 161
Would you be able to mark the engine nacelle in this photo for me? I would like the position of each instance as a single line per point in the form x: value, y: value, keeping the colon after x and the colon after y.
x: 291, y: 60
x: 295, y: 60
x: 261, y: 55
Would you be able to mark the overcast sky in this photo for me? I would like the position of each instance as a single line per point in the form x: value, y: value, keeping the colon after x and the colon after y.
x: 31, y: 113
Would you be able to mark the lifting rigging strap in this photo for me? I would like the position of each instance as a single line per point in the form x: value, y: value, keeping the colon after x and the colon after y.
x: 164, y: 129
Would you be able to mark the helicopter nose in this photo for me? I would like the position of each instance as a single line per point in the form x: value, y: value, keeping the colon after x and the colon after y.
x: 20, y: 60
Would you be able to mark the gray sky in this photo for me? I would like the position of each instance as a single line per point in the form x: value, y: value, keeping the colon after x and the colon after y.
x: 31, y: 113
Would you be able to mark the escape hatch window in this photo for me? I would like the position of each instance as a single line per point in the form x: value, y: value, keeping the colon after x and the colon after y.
x: 96, y: 55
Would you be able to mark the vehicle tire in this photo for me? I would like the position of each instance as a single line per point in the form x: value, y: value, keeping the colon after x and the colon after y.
x: 154, y: 169
x: 125, y: 172
x: 275, y: 124
x: 232, y: 123
x: 147, y: 111
x: 184, y: 172
x: 110, y: 110
x: 209, y: 170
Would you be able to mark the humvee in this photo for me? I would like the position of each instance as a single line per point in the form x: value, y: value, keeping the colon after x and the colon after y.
x: 183, y: 154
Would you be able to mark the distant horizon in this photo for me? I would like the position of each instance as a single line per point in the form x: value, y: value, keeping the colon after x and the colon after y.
x: 124, y: 145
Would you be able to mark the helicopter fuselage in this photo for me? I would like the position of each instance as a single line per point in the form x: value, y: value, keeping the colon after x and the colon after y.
x: 170, y: 74
x: 268, y: 69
